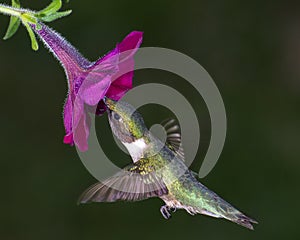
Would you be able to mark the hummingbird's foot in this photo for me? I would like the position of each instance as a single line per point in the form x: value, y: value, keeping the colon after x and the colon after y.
x: 165, y: 211
x: 173, y: 209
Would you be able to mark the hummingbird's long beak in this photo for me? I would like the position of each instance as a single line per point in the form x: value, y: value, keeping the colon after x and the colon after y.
x: 109, y: 103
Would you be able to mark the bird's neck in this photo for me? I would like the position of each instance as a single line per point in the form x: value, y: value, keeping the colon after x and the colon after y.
x: 136, y: 148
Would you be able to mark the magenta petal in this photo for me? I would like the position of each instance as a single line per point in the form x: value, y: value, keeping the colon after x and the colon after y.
x: 131, y: 42
x: 78, y: 111
x: 120, y: 86
x: 91, y: 91
x: 81, y: 125
x: 68, y: 139
x: 122, y: 81
x: 98, y: 79
x: 82, y: 131
x: 109, y: 60
x: 68, y: 120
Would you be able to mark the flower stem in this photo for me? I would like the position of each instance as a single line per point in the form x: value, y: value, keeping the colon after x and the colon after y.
x: 11, y: 11
x: 32, y: 20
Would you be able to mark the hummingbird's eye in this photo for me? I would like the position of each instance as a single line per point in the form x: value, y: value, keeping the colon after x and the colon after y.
x: 117, y: 117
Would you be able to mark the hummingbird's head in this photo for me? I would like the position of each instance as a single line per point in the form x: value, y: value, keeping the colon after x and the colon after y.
x: 126, y: 123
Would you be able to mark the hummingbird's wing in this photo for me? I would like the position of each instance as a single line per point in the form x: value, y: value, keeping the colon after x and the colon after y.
x: 173, y: 140
x: 133, y: 183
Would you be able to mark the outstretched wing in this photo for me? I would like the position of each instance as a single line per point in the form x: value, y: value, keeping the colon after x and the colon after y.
x: 173, y: 140
x: 133, y: 183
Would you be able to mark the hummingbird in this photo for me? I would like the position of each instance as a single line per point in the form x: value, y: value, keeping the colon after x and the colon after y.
x: 157, y: 170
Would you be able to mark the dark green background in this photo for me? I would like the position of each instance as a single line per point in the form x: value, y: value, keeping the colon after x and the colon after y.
x: 252, y: 51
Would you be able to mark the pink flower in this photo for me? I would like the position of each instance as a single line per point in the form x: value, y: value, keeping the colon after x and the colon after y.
x: 90, y: 82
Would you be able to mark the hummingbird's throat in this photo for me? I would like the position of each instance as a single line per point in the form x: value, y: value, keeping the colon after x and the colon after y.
x: 136, y: 148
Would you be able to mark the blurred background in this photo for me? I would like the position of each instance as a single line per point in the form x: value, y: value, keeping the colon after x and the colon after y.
x: 252, y: 51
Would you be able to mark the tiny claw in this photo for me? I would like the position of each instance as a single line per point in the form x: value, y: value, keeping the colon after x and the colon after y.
x: 173, y: 209
x: 165, y: 211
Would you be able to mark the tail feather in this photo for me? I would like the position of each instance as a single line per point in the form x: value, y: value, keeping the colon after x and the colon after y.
x: 217, y: 207
x: 233, y: 216
x: 242, y: 220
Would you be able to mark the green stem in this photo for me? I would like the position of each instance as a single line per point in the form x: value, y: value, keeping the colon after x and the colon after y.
x: 24, y: 14
x: 10, y: 10
x: 30, y: 19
